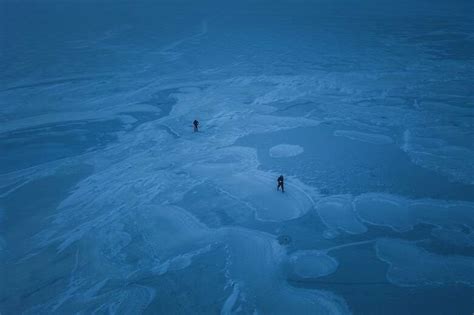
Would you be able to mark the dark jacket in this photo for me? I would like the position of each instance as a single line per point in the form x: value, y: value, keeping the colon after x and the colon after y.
x: 280, y: 179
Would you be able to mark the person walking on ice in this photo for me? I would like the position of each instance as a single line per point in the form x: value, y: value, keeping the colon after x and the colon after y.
x: 281, y: 184
x: 196, y: 125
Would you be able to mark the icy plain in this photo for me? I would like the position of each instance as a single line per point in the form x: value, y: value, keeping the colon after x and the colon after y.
x: 109, y: 203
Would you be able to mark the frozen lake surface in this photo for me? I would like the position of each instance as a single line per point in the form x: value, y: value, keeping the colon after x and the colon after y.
x: 109, y: 203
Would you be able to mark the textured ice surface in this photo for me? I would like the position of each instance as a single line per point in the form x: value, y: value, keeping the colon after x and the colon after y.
x: 285, y: 150
x: 431, y: 148
x: 264, y: 289
x: 455, y: 236
x: 363, y: 136
x: 312, y: 264
x: 411, y: 265
x: 110, y: 203
x: 337, y: 212
x: 403, y: 214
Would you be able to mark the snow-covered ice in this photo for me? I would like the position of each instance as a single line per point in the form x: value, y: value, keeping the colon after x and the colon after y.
x: 285, y: 150
x: 403, y: 214
x: 110, y: 203
x: 411, y: 265
x: 337, y: 212
x: 312, y: 264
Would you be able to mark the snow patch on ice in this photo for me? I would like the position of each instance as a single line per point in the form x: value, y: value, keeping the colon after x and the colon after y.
x: 258, y: 190
x: 411, y: 265
x: 285, y: 150
x: 266, y: 292
x: 230, y: 301
x: 312, y: 264
x: 337, y: 212
x: 179, y: 262
x: 402, y: 214
x: 432, y: 149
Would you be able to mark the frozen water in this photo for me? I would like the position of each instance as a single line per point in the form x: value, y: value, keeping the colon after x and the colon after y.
x: 110, y: 203
x: 456, y: 237
x: 312, y: 264
x: 411, y: 265
x: 285, y: 150
x: 363, y: 136
x: 264, y: 289
x: 337, y: 212
x: 435, y: 153
x: 403, y: 214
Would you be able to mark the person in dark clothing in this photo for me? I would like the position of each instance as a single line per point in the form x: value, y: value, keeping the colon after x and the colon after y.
x: 196, y: 124
x: 281, y: 184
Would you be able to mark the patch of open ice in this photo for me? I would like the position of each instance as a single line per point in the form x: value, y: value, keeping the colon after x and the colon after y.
x: 454, y: 237
x: 312, y: 264
x: 259, y: 192
x: 255, y: 263
x: 256, y: 190
x: 411, y: 265
x: 447, y: 151
x: 401, y: 214
x: 285, y: 150
x: 364, y: 137
x: 337, y: 212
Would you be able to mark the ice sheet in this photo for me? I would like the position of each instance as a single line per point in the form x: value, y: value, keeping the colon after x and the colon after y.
x: 285, y: 150
x: 337, y: 212
x: 402, y: 214
x: 312, y: 264
x: 363, y: 136
x: 110, y: 203
x: 411, y: 265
